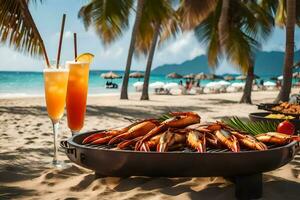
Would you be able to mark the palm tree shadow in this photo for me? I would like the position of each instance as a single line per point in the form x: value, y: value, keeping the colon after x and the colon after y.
x: 139, y: 111
x: 10, y: 192
x: 107, y: 111
x: 277, y: 188
x: 222, y: 101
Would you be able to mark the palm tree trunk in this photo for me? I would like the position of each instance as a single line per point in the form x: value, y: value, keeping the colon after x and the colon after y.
x: 223, y: 23
x: 140, y: 5
x: 26, y: 13
x: 246, y: 98
x: 289, y: 52
x: 145, y: 93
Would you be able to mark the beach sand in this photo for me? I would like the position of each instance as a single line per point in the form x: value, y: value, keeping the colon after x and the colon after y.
x: 26, y: 149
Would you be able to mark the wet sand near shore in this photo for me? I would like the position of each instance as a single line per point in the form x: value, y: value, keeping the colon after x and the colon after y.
x: 26, y: 149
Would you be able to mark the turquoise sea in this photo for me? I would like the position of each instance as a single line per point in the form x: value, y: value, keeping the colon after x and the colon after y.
x: 31, y: 83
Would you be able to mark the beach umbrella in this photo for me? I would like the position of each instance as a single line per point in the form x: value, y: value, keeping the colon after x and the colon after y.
x: 200, y: 76
x: 110, y: 75
x: 238, y: 84
x: 280, y: 77
x: 156, y: 84
x: 174, y: 75
x: 213, y: 85
x: 244, y: 77
x: 269, y: 83
x: 171, y: 86
x: 213, y: 76
x: 138, y: 84
x: 224, y: 83
x: 189, y: 76
x: 241, y: 77
x: 137, y: 75
x: 228, y: 78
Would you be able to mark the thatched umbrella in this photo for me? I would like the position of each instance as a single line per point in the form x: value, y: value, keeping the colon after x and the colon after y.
x: 137, y: 75
x: 200, y: 76
x: 241, y: 77
x: 110, y: 75
x: 244, y: 77
x: 228, y: 78
x: 174, y: 75
x: 189, y: 76
x: 213, y: 76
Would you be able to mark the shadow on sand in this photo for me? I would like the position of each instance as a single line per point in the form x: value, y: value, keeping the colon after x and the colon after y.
x: 275, y: 189
x: 108, y: 111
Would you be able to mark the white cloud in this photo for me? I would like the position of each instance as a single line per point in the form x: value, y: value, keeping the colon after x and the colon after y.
x: 197, y: 51
x: 178, y: 45
x: 184, y: 47
x: 68, y: 34
x: 13, y: 60
x: 111, y: 53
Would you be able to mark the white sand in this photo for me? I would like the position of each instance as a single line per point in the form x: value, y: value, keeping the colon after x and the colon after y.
x: 26, y: 149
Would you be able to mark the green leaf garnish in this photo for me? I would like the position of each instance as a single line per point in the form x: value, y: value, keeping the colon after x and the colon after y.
x: 164, y: 117
x: 251, y: 127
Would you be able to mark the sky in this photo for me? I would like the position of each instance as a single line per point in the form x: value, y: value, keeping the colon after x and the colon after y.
x: 113, y: 57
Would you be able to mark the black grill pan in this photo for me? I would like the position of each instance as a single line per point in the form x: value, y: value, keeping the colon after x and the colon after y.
x: 245, y: 168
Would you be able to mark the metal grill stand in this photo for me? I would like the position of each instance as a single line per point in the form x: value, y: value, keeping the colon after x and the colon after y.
x: 248, y: 186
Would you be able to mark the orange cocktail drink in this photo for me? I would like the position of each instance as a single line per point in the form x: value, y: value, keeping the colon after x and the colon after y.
x: 77, y: 94
x: 56, y: 81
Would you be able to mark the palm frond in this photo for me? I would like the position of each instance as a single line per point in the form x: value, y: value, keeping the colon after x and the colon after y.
x: 207, y: 34
x: 253, y: 128
x: 277, y: 9
x: 281, y: 15
x: 192, y: 12
x: 248, y: 25
x: 109, y: 18
x: 17, y: 28
x: 155, y: 11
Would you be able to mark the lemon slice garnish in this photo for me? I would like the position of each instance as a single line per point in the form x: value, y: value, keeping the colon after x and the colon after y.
x: 85, y: 57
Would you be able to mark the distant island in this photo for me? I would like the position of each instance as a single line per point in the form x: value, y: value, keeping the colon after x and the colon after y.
x: 266, y: 64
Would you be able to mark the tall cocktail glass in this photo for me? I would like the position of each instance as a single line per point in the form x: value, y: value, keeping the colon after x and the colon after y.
x: 55, y: 82
x: 77, y: 94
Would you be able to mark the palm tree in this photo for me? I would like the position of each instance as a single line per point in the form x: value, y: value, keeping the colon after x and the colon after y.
x: 285, y: 90
x: 165, y: 23
x: 17, y: 28
x: 110, y: 19
x: 140, y: 5
x: 157, y: 20
x: 145, y: 93
x: 245, y: 25
x: 280, y: 10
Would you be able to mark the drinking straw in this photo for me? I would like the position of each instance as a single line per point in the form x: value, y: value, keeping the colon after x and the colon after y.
x: 75, y: 46
x: 60, y: 39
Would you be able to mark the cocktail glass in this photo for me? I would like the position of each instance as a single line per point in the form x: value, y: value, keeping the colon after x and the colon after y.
x: 77, y: 94
x: 55, y: 81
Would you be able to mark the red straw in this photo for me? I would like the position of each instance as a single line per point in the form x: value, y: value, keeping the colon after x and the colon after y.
x: 75, y: 46
x: 60, y: 39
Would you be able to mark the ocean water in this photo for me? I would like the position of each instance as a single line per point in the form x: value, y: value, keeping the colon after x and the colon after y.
x: 32, y: 83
